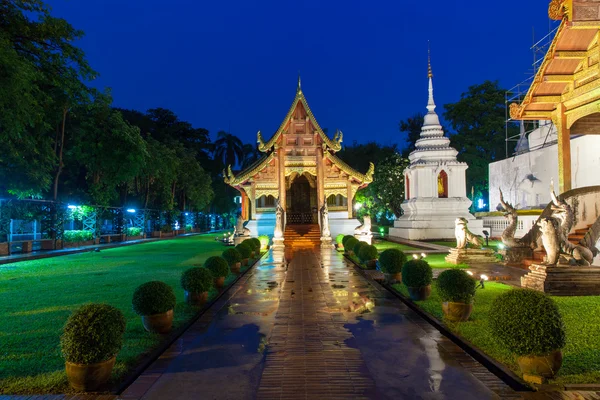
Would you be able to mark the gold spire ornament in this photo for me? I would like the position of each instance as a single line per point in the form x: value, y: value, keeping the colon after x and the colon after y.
x: 429, y: 72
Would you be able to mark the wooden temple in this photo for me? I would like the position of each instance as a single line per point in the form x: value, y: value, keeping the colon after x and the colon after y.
x: 566, y: 87
x: 299, y: 167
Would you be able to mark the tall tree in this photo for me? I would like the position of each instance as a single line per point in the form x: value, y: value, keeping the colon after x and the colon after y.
x: 251, y: 154
x: 412, y: 128
x: 478, y: 120
x: 229, y: 149
x: 358, y: 156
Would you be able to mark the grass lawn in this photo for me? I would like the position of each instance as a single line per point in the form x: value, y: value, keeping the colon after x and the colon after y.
x: 581, y: 363
x: 492, y: 244
x: 435, y: 260
x: 384, y: 245
x: 38, y: 296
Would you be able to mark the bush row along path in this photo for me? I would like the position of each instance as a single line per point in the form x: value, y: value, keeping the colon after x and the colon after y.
x: 285, y: 330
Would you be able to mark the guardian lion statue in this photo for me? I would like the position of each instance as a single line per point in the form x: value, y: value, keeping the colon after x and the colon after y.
x: 464, y: 236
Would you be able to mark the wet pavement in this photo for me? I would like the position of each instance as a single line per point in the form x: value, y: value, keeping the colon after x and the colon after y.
x: 313, y: 328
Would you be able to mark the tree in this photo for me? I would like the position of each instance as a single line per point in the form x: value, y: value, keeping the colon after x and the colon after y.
x: 42, y: 78
x: 358, y: 156
x: 228, y: 149
x: 412, y: 127
x: 478, y: 120
x: 112, y: 151
x: 251, y: 155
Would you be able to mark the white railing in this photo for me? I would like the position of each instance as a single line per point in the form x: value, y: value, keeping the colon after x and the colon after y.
x: 497, y: 225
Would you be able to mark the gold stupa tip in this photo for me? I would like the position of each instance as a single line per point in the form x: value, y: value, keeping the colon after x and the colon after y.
x: 429, y: 72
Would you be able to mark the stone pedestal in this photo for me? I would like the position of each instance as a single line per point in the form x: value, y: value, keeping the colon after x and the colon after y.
x: 563, y: 280
x: 239, y: 239
x: 516, y: 255
x: 365, y: 238
x: 326, y: 242
x: 471, y: 256
x: 278, y: 243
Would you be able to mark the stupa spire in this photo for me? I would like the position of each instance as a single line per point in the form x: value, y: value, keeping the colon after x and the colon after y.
x: 431, y: 118
x: 299, y: 87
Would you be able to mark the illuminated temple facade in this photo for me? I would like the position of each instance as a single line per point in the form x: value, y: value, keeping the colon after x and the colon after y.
x: 299, y: 167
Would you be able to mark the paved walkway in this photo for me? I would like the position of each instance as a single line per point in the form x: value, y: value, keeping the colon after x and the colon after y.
x: 313, y: 328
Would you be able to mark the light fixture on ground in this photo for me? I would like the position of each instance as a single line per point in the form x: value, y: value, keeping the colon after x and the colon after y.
x: 131, y: 210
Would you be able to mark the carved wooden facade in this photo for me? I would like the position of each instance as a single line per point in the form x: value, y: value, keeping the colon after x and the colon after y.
x: 298, y: 151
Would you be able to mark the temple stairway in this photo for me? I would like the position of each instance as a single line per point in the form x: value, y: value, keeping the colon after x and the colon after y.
x: 302, y: 236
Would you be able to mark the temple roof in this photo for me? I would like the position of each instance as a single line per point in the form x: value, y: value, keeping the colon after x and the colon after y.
x: 364, y: 178
x: 569, y: 68
x: 335, y: 144
x: 247, y: 173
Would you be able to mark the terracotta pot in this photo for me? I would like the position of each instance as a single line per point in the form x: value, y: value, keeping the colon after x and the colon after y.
x: 158, y: 323
x: 397, y: 277
x: 220, y: 282
x: 195, y: 298
x: 235, y: 267
x: 546, y: 366
x: 419, y: 293
x: 457, y: 312
x: 245, y: 261
x: 89, y: 377
x: 371, y: 264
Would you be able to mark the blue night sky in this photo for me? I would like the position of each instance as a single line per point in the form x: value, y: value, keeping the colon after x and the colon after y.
x: 233, y: 65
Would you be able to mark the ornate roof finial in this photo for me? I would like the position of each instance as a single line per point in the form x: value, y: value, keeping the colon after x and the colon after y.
x: 299, y: 88
x: 429, y: 73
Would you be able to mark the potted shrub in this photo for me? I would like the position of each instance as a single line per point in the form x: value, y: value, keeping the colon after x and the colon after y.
x: 529, y: 324
x: 257, y: 246
x: 345, y: 238
x: 166, y: 231
x: 134, y: 233
x: 456, y: 289
x: 245, y: 251
x: 349, y: 245
x: 91, y: 339
x: 219, y: 269
x: 196, y: 282
x: 338, y: 242
x: 391, y: 262
x: 234, y: 259
x: 77, y: 238
x: 417, y: 276
x: 264, y: 242
x: 359, y: 245
x: 368, y: 256
x: 155, y: 301
x: 252, y: 246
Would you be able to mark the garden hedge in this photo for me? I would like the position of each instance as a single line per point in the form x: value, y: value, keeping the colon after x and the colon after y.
x: 232, y: 256
x: 244, y: 249
x: 392, y: 260
x: 416, y: 273
x: 217, y: 266
x: 350, y: 243
x: 456, y: 285
x: 153, y: 297
x: 197, y: 280
x: 367, y: 253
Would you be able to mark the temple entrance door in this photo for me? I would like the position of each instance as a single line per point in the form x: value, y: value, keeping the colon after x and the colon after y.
x: 301, y: 200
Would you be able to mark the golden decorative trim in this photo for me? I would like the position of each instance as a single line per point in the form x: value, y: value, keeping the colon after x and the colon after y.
x: 335, y: 144
x: 581, y: 112
x: 569, y: 54
x: 300, y: 170
x: 232, y: 180
x: 560, y: 9
x: 364, y: 178
x: 343, y: 192
x: 266, y: 192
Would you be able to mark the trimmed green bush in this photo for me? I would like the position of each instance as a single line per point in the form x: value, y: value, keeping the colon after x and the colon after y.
x: 232, y: 256
x: 358, y: 246
x: 189, y: 227
x: 368, y: 252
x: 217, y: 266
x: 264, y: 241
x: 392, y: 260
x: 256, y: 242
x: 153, y: 297
x: 77, y: 236
x: 345, y: 239
x: 134, y: 231
x: 350, y: 243
x: 456, y: 285
x: 527, y: 322
x: 250, y: 243
x: 197, y: 280
x: 92, y: 334
x: 339, y: 238
x: 244, y: 250
x: 416, y: 273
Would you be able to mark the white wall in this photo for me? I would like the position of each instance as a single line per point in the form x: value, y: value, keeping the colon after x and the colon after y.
x: 511, y: 174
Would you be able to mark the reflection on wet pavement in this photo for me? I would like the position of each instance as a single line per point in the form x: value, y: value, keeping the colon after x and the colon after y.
x: 306, y: 325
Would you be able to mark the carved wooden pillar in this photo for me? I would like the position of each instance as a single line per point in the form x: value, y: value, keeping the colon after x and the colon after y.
x: 320, y: 178
x: 281, y: 177
x: 253, y: 201
x: 349, y: 197
x: 564, y: 148
x: 244, y: 205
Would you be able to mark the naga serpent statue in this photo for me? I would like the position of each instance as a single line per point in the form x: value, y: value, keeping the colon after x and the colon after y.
x: 508, y: 235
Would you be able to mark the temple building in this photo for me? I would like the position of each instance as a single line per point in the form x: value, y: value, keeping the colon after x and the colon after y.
x: 300, y: 169
x: 435, y: 185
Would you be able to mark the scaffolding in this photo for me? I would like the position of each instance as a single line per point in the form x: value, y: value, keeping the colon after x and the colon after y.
x: 517, y: 93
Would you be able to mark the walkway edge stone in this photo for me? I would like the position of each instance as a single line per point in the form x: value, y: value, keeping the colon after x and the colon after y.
x: 151, y: 357
x: 502, y: 372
